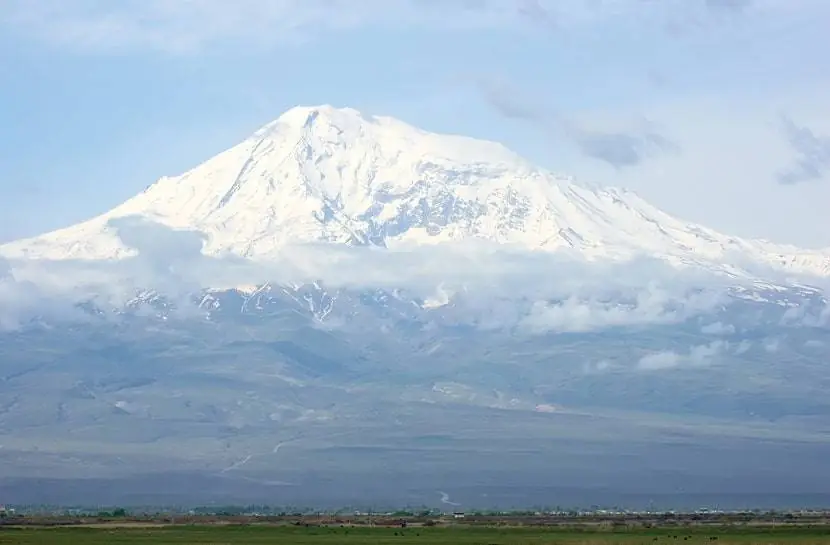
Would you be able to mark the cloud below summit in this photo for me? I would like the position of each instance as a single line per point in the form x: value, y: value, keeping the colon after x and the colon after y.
x: 489, y: 278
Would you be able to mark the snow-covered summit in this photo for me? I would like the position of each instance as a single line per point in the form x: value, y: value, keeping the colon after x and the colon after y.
x: 328, y: 174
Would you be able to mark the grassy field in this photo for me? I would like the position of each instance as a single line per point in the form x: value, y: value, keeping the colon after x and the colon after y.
x: 461, y: 535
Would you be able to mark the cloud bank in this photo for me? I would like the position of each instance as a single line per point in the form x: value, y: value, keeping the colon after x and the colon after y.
x: 558, y: 292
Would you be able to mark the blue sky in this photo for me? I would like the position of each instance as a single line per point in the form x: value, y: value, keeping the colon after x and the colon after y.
x: 715, y: 110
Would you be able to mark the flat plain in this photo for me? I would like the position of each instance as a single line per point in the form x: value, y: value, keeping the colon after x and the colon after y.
x: 454, y: 535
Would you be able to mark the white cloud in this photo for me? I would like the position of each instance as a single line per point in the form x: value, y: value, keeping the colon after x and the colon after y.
x: 659, y: 360
x: 772, y: 345
x: 650, y: 305
x: 718, y: 328
x: 697, y: 356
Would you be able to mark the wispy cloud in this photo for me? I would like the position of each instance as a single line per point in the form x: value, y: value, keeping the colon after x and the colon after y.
x: 622, y: 149
x: 512, y: 103
x: 184, y: 27
x: 617, y: 148
x: 172, y: 26
x: 812, y: 150
x: 537, y: 13
x: 732, y: 5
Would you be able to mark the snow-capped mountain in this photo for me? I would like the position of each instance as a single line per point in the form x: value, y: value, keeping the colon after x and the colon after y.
x: 336, y: 175
x: 278, y: 379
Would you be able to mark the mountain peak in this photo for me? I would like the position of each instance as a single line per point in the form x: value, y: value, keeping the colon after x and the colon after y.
x: 306, y: 116
x: 324, y: 123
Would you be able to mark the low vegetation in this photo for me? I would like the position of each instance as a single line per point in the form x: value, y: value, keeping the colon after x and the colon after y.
x: 431, y: 532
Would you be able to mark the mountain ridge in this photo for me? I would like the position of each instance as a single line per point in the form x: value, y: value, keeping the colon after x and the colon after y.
x: 325, y: 174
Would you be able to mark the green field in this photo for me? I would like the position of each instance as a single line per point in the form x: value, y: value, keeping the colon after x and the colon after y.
x: 461, y: 535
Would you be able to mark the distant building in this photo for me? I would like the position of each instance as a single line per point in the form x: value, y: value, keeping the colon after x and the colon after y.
x: 458, y: 515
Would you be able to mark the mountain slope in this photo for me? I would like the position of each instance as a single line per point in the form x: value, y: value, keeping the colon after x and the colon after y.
x: 335, y: 175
